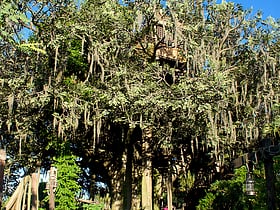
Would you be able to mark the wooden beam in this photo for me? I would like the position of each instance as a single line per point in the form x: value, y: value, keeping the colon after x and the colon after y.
x: 2, y: 166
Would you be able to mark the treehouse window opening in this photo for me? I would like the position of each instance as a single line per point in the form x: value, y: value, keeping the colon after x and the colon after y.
x: 160, y: 31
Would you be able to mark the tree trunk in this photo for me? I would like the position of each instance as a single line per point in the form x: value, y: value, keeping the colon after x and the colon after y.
x: 147, y: 179
x: 128, y: 174
x: 269, y: 175
x: 147, y: 186
x: 169, y: 190
x: 116, y: 190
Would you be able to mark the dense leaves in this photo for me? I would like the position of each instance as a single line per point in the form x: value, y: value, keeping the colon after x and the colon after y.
x: 229, y: 194
x: 90, y: 72
x: 67, y: 184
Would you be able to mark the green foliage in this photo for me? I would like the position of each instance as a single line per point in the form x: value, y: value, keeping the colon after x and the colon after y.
x: 93, y: 206
x: 32, y: 46
x: 76, y: 64
x: 87, y: 69
x: 226, y: 194
x: 186, y: 181
x: 230, y: 194
x: 273, y: 128
x: 68, y: 188
x: 10, y: 17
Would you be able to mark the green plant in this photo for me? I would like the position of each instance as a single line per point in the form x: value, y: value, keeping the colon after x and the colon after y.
x: 68, y: 187
x: 93, y: 206
x: 230, y: 194
x: 226, y: 194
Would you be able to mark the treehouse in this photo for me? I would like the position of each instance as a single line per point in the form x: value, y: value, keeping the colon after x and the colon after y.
x: 168, y: 45
x: 163, y: 42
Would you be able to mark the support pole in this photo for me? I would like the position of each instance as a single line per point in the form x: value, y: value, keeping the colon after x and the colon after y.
x: 51, y: 201
x: 147, y: 186
x: 52, y: 183
x: 169, y: 191
x: 2, y: 166
x: 34, y: 190
x: 147, y: 176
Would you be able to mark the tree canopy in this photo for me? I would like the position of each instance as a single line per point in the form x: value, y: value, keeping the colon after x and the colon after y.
x: 91, y: 75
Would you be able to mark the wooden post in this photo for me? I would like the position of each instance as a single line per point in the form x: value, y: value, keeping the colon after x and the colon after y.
x: 52, y: 183
x: 51, y: 201
x: 169, y: 191
x: 34, y: 190
x: 169, y: 187
x: 2, y: 166
x: 147, y: 186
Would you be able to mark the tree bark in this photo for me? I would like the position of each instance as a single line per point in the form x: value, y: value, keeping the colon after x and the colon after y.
x: 128, y: 174
x: 147, y: 186
x: 169, y: 191
x: 269, y: 175
x: 116, y: 185
x: 147, y: 178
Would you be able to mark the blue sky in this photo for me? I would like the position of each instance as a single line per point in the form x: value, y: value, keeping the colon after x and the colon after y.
x: 268, y: 7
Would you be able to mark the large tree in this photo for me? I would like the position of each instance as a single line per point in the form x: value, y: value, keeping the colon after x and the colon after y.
x: 96, y: 76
